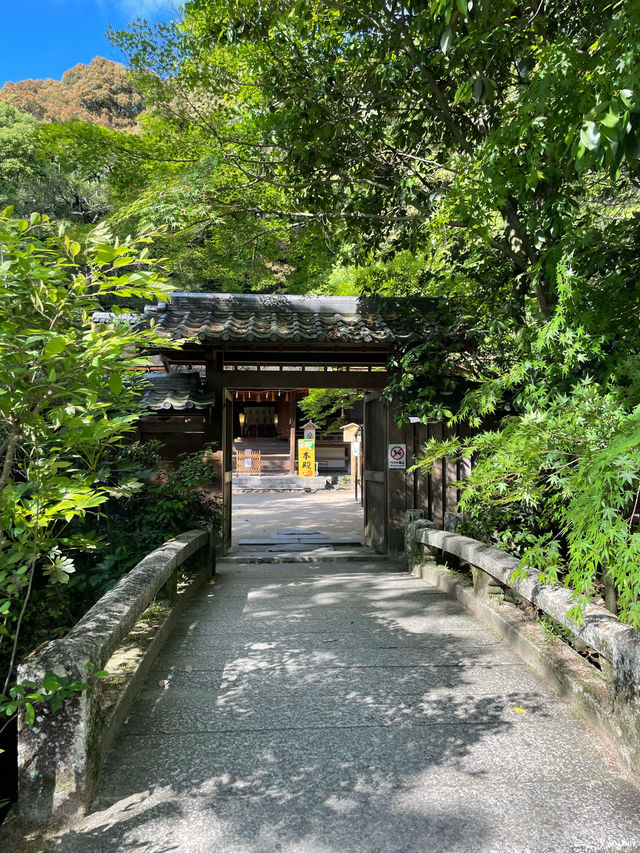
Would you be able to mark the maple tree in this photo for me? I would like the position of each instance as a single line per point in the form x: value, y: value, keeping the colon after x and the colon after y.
x: 496, y: 144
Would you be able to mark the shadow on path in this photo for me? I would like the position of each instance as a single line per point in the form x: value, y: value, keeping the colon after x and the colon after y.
x: 356, y: 712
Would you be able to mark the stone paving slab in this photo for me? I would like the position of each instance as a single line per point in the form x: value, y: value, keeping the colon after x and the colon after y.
x: 348, y: 633
x: 320, y: 652
x: 384, y: 760
x: 303, y: 547
x: 228, y: 708
x: 327, y: 612
x: 407, y: 615
x: 297, y: 531
x: 311, y: 582
x: 373, y: 680
x: 368, y: 714
x: 310, y: 594
x: 305, y: 816
x: 347, y: 626
x: 275, y: 569
x: 315, y: 540
x: 303, y: 554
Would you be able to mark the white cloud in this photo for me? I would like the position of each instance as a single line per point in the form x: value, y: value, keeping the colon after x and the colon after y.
x: 149, y: 8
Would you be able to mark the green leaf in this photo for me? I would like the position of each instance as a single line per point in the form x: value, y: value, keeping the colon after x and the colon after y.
x: 628, y: 98
x: 115, y: 383
x: 611, y: 119
x: 122, y: 262
x: 50, y: 683
x: 55, y: 346
x: 590, y: 136
x: 446, y: 41
x: 464, y: 92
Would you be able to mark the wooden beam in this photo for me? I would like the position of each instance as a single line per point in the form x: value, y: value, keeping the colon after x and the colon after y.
x: 273, y: 380
x: 197, y: 355
x: 292, y: 444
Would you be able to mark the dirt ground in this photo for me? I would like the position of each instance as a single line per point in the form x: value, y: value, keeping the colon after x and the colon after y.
x: 334, y: 512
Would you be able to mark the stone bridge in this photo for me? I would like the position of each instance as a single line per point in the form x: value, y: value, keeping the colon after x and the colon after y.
x: 348, y: 706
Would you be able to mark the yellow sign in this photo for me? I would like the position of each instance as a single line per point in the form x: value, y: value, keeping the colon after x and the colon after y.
x: 306, y: 457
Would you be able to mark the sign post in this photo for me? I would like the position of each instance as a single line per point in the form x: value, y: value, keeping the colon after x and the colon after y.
x: 306, y: 457
x: 397, y: 456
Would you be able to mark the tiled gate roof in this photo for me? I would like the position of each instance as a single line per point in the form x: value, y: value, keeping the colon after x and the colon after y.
x: 223, y: 317
x: 174, y: 391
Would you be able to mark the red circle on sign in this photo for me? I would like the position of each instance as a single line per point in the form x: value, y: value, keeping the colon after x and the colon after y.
x: 397, y: 452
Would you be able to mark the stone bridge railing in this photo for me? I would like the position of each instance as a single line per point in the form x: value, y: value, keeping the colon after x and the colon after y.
x: 59, y: 757
x: 611, y: 700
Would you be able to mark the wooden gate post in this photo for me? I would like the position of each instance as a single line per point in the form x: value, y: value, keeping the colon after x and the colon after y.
x: 374, y: 475
x: 218, y: 429
x: 396, y: 492
x: 388, y: 491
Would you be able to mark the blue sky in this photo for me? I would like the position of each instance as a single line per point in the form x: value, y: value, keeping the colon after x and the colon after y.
x: 42, y: 38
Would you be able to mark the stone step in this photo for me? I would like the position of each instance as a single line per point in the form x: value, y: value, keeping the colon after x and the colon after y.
x: 309, y: 541
x: 315, y: 555
x: 278, y: 483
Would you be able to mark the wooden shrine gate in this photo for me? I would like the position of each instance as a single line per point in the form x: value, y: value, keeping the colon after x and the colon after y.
x: 248, y: 342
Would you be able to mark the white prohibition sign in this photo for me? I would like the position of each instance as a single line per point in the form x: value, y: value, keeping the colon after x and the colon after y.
x: 397, y: 456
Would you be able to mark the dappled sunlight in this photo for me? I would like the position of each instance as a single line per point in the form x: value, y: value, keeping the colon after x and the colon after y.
x: 333, y: 714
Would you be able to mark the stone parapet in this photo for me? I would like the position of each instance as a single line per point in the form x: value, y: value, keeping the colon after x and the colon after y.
x: 59, y: 756
x: 617, y: 711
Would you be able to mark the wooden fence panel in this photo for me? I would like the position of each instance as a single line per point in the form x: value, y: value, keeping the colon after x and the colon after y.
x: 434, y: 493
x: 451, y: 476
x: 438, y: 481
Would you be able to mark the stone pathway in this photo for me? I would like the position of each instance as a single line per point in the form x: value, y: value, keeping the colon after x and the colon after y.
x: 334, y: 512
x: 302, y: 538
x: 299, y: 544
x: 349, y: 708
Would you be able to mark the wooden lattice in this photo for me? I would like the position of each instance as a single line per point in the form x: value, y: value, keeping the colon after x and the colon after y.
x: 249, y: 462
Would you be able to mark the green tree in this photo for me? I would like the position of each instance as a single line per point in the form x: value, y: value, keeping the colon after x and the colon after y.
x: 39, y: 172
x: 66, y: 397
x: 224, y: 229
x: 18, y: 149
x: 328, y: 407
x: 499, y: 143
x: 55, y: 158
x: 405, y: 120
